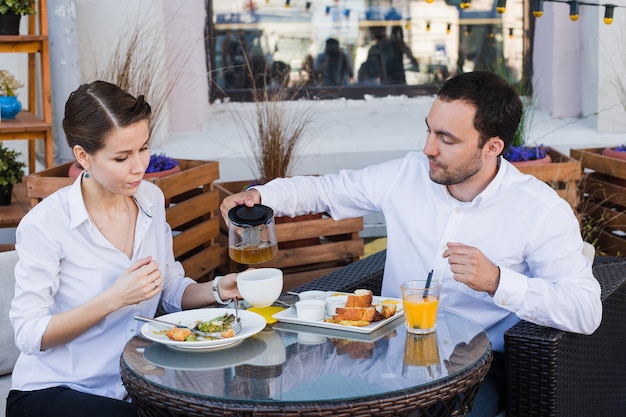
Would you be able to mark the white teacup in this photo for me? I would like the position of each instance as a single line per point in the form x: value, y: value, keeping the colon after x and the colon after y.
x: 260, y: 287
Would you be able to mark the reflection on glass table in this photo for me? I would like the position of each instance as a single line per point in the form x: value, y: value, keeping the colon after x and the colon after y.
x: 307, y: 369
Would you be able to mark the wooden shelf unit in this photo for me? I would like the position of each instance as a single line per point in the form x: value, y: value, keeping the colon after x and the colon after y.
x: 35, y: 123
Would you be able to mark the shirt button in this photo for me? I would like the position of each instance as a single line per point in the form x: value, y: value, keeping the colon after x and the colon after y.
x: 458, y: 211
x: 131, y: 330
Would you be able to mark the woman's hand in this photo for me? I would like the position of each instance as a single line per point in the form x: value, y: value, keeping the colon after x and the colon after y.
x: 141, y: 281
x: 228, y: 287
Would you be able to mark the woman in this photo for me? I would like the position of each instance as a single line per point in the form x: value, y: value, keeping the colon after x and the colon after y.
x: 92, y: 256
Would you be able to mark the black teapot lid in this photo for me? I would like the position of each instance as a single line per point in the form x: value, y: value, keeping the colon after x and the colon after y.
x: 250, y: 216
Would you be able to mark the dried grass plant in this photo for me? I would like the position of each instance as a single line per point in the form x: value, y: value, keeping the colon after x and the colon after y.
x: 138, y: 65
x: 278, y: 130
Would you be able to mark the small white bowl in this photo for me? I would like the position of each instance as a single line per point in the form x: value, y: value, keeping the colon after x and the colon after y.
x: 312, y: 295
x: 333, y: 302
x: 310, y: 310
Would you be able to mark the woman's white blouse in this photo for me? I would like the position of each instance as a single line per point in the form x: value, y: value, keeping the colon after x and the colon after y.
x: 64, y: 261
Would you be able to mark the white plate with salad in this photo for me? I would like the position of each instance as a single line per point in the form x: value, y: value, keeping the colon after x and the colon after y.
x: 251, y: 324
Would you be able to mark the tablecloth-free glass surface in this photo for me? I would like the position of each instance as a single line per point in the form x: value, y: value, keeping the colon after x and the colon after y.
x: 294, y: 363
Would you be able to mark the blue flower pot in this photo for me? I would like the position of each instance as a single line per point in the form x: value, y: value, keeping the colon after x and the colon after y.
x: 10, y: 106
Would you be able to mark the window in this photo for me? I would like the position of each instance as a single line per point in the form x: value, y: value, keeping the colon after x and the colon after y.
x: 354, y: 47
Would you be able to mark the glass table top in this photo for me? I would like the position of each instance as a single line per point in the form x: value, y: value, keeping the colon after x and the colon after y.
x: 298, y: 363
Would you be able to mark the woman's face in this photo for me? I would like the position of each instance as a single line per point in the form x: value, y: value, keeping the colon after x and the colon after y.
x: 120, y: 165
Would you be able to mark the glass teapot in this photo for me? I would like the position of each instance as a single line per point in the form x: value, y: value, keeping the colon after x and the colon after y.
x: 251, y: 234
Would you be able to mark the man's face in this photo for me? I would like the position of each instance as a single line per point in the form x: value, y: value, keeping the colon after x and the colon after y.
x: 452, y: 143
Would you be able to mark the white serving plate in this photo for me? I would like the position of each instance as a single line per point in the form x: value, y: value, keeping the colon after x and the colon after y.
x: 289, y: 316
x: 251, y: 324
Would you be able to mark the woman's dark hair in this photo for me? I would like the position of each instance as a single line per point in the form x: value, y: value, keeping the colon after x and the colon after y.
x: 95, y: 109
x: 498, y: 106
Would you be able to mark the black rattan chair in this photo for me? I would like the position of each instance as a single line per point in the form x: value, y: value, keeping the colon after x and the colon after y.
x: 550, y: 373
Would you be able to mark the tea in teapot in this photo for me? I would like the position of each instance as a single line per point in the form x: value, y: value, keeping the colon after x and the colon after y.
x: 251, y: 234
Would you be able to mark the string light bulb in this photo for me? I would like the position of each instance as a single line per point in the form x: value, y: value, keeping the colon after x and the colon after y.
x: 429, y: 1
x: 448, y: 28
x: 538, y: 8
x: 574, y: 12
x: 287, y: 3
x: 608, y: 13
x: 511, y: 33
x: 307, y: 6
x: 427, y: 26
x: 465, y: 4
x: 501, y: 7
x: 327, y: 10
x: 468, y: 31
x: 407, y: 24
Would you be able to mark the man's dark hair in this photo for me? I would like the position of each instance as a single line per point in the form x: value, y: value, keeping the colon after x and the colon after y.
x: 498, y: 106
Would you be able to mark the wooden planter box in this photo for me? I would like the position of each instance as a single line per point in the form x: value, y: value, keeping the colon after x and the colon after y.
x: 604, y: 204
x: 329, y: 244
x: 193, y: 213
x: 563, y: 174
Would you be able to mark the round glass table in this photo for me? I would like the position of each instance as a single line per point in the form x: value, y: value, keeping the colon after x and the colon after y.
x: 298, y: 370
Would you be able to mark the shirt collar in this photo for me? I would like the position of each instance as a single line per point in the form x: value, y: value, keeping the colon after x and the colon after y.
x: 78, y: 211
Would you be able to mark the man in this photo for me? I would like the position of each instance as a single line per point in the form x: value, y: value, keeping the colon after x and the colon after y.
x: 503, y: 245
x: 333, y: 66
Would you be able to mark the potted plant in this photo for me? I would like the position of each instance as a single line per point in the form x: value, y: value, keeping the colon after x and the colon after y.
x: 277, y: 126
x: 161, y: 165
x: 10, y: 106
x: 11, y: 11
x: 11, y: 172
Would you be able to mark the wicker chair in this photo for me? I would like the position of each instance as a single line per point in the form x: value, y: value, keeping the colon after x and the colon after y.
x: 549, y: 372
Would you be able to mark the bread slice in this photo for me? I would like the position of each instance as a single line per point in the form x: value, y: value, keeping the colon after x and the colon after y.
x: 388, y: 310
x: 360, y: 298
x: 355, y: 313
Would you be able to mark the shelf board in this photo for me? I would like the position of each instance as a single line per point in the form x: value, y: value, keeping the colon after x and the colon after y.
x: 24, y: 122
x: 22, y: 43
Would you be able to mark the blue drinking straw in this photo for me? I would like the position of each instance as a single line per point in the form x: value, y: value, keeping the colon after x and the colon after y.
x: 428, y: 280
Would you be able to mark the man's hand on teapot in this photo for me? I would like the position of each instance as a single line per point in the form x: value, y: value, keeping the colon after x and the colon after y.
x: 249, y: 198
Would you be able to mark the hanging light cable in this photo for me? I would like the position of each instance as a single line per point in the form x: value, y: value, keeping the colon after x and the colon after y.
x: 574, y: 10
x: 608, y: 13
x: 501, y: 7
x: 538, y: 8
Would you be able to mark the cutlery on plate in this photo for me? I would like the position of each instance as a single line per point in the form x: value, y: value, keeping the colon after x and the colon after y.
x: 237, y: 324
x: 180, y: 326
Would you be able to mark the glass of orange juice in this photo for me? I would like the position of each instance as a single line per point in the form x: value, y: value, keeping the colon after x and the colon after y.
x: 420, y: 305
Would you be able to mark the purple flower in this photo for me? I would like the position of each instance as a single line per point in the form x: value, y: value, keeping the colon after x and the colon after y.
x: 161, y: 162
x: 620, y: 148
x: 525, y: 153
